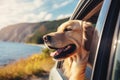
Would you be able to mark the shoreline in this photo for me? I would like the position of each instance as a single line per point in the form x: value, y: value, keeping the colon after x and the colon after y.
x: 34, y: 65
x: 33, y: 44
x: 39, y: 45
x: 8, y: 60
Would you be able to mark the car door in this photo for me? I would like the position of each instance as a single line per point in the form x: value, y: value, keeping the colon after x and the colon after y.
x: 111, y: 11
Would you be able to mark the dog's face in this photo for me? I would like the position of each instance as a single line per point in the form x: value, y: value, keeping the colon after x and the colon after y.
x: 68, y: 39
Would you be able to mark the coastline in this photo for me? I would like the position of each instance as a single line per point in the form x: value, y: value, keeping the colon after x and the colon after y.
x: 39, y: 45
x: 33, y: 44
x: 12, y: 51
x: 34, y: 67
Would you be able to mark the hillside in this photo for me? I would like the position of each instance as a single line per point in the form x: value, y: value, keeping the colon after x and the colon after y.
x: 29, y: 32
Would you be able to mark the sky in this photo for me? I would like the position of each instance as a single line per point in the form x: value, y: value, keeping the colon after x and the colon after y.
x: 20, y: 11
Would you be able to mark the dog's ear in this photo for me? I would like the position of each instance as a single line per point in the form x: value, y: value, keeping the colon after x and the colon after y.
x: 88, y: 34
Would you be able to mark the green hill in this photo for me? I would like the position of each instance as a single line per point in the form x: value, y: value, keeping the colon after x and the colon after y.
x: 29, y: 32
x: 45, y: 28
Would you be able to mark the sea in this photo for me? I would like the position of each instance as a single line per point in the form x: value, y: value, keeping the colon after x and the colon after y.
x: 12, y: 51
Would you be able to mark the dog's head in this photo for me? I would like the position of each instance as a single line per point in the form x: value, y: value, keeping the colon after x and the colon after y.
x: 69, y: 38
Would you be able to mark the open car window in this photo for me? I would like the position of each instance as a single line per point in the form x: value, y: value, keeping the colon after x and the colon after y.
x: 91, y: 16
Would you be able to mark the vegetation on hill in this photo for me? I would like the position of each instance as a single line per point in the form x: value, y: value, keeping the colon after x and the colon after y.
x: 29, y: 32
x: 47, y: 27
x: 37, y: 65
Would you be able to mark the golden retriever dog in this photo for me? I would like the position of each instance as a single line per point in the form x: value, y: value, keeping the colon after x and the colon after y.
x: 72, y: 42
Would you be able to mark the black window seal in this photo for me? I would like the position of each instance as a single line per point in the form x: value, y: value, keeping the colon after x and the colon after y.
x: 83, y: 9
x: 81, y: 5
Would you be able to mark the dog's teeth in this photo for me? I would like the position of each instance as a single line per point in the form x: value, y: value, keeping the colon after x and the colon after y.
x: 68, y: 47
x: 56, y: 52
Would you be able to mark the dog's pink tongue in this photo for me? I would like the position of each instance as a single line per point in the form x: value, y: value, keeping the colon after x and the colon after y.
x: 57, y: 52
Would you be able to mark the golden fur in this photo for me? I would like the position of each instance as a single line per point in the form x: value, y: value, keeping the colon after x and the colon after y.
x: 79, y: 33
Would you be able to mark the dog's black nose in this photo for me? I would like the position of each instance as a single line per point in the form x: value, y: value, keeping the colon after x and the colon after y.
x: 47, y: 38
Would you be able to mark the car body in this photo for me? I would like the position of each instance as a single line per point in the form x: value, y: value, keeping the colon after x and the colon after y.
x: 105, y: 15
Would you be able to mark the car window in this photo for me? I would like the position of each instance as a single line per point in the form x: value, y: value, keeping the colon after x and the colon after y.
x: 92, y: 17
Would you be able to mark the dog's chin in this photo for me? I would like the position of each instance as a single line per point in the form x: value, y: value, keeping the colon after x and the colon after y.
x: 64, y: 52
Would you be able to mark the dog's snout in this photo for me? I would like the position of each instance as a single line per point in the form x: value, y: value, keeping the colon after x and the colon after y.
x: 47, y: 38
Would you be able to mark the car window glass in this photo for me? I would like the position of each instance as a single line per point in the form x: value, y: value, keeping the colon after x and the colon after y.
x: 116, y: 64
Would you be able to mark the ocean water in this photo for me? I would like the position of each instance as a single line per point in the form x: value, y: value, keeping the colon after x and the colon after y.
x: 10, y: 51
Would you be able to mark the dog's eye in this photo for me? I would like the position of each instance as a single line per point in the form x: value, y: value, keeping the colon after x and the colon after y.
x: 67, y: 29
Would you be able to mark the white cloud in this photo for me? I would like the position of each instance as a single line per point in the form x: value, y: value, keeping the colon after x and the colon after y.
x: 64, y: 3
x: 31, y: 17
x: 35, y: 18
x: 19, y: 6
x: 48, y: 16
x: 16, y: 11
x: 63, y: 16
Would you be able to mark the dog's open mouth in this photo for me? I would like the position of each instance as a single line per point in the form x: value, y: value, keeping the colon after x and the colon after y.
x: 63, y: 52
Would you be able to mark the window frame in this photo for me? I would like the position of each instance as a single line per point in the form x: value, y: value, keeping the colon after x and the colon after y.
x: 81, y: 9
x: 103, y: 52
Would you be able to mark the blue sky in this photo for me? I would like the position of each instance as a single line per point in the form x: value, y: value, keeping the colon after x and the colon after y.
x: 18, y: 11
